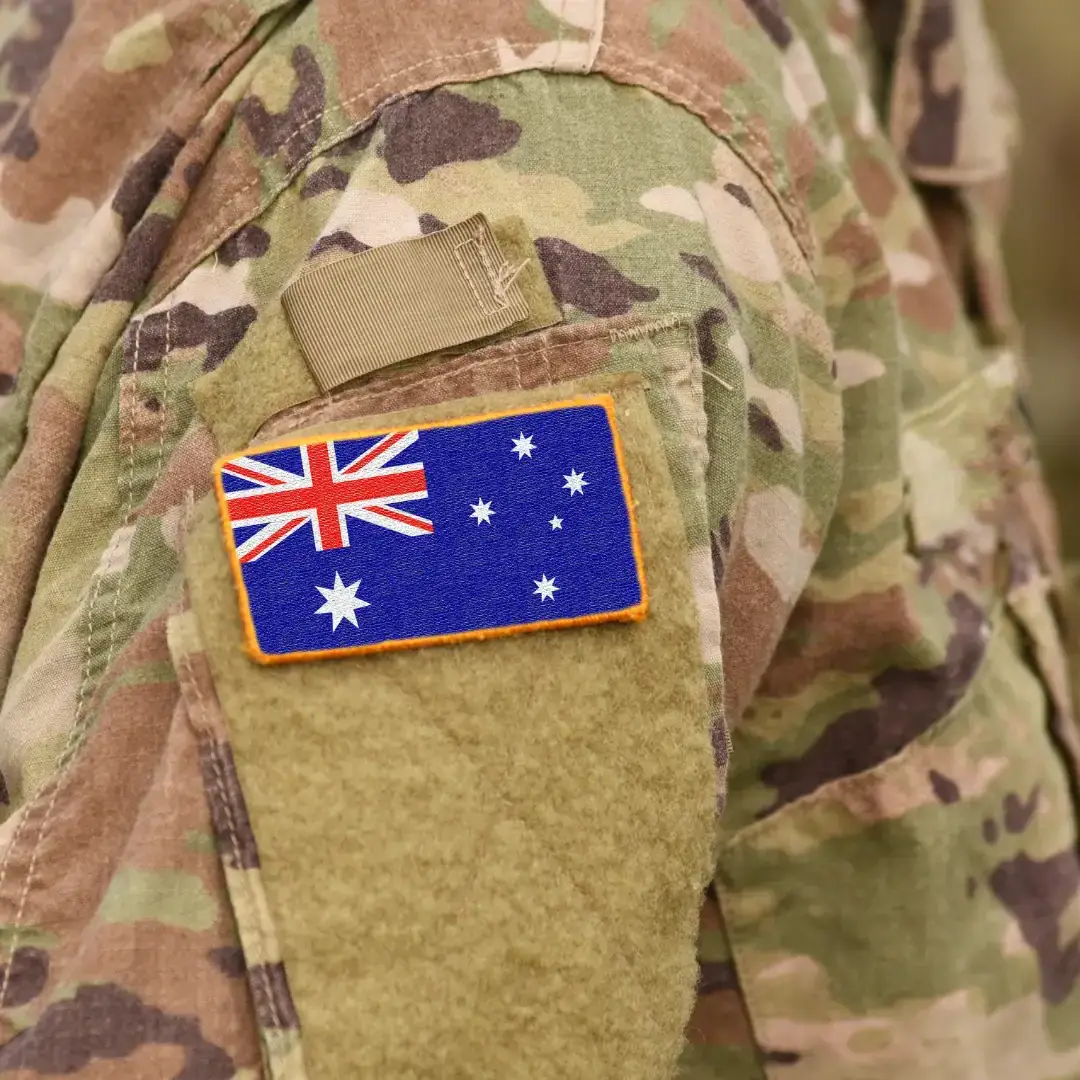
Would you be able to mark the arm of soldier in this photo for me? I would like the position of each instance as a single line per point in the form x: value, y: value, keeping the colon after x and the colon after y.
x: 671, y: 260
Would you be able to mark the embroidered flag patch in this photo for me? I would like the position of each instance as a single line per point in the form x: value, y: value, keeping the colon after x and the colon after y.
x: 470, y: 528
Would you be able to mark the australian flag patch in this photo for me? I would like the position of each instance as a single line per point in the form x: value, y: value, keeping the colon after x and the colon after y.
x: 467, y: 528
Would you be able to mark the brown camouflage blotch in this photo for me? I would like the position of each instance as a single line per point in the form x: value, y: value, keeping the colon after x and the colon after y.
x: 354, y: 144
x: 716, y: 975
x: 588, y: 281
x: 294, y: 132
x: 934, y: 139
x: 704, y: 325
x: 847, y: 21
x: 21, y: 141
x: 229, y: 960
x: 717, y: 554
x: 227, y: 179
x: 949, y: 223
x: 182, y: 179
x: 694, y: 44
x: 782, y: 1057
x: 911, y: 701
x: 1037, y: 893
x: 740, y: 195
x: 185, y: 326
x: 876, y: 184
x: 142, y: 414
x: 143, y: 180
x: 765, y: 427
x: 376, y: 33
x: 1018, y: 813
x: 719, y: 1019
x: 803, y: 160
x: 250, y: 242
x: 191, y: 173
x: 858, y: 246
x: 848, y: 636
x: 24, y: 976
x: 872, y: 286
x: 328, y: 178
x: 147, y: 648
x: 425, y: 131
x: 945, y: 789
x: 141, y: 254
x: 337, y: 241
x: 753, y: 615
x: 108, y: 1022
x: 935, y: 305
x: 769, y: 14
x: 704, y: 267
x: 429, y: 223
x: 26, y: 58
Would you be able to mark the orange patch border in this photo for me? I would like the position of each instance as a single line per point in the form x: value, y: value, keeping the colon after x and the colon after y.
x: 631, y: 614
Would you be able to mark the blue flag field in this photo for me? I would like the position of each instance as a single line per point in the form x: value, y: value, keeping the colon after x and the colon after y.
x: 470, y: 528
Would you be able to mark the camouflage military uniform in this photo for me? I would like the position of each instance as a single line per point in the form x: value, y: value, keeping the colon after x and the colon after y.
x: 771, y: 231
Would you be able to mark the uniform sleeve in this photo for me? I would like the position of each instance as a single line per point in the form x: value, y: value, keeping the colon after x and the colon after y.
x: 669, y: 263
x: 492, y: 850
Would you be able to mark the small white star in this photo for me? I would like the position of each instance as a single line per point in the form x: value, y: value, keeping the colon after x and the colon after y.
x: 545, y: 589
x: 341, y: 601
x: 482, y: 512
x: 556, y: 522
x: 524, y: 446
x: 576, y: 482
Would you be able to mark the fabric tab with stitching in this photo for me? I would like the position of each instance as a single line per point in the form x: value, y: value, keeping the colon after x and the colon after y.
x: 357, y: 314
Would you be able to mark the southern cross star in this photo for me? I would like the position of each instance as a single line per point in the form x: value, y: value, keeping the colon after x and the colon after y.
x: 545, y: 588
x: 341, y: 601
x: 556, y: 522
x: 482, y: 512
x: 524, y: 446
x: 576, y: 482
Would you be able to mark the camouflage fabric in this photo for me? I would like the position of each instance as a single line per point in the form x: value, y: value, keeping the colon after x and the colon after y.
x: 784, y: 215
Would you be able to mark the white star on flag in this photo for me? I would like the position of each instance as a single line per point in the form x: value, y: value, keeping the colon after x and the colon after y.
x: 341, y: 601
x: 545, y: 588
x: 576, y: 482
x: 556, y: 522
x: 482, y: 512
x: 524, y: 446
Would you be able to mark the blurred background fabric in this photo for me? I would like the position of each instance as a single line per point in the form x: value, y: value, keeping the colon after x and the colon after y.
x: 1040, y: 45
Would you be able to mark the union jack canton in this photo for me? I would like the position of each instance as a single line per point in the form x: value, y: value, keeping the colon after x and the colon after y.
x: 529, y: 526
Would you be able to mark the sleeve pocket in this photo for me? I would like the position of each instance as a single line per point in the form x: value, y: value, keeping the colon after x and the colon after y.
x: 485, y: 856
